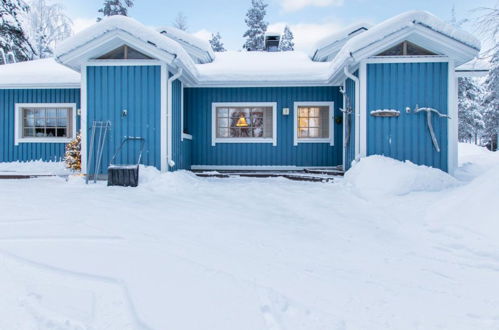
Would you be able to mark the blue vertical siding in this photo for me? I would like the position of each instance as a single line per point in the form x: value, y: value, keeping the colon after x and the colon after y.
x: 181, y: 150
x: 198, y: 103
x: 350, y: 147
x: 136, y: 89
x: 400, y: 85
x: 31, y: 151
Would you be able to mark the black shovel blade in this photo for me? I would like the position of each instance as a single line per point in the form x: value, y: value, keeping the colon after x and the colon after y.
x: 124, y: 176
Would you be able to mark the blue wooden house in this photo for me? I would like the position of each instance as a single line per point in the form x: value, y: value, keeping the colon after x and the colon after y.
x: 387, y: 89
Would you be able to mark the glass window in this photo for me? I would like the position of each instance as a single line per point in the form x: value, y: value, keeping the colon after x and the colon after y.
x: 313, y: 122
x: 243, y: 122
x: 406, y: 48
x: 124, y: 53
x: 46, y: 122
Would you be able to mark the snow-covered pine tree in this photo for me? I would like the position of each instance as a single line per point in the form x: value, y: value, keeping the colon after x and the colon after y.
x: 216, y: 42
x: 12, y: 36
x: 287, y: 43
x: 180, y: 22
x: 491, y: 100
x: 115, y: 7
x: 72, y: 157
x: 469, y: 110
x: 46, y: 24
x: 255, y: 35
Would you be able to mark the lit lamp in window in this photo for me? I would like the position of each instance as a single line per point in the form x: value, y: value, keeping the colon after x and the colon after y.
x: 241, y: 122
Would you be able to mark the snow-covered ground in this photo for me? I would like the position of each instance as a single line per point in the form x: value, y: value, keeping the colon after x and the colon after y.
x: 391, y: 246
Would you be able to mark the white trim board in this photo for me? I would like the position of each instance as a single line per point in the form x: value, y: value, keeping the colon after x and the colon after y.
x: 329, y: 140
x: 163, y: 145
x: 256, y: 167
x: 42, y: 86
x: 407, y: 59
x: 452, y: 128
x: 123, y: 62
x: 215, y: 140
x: 17, y: 123
x: 83, y: 119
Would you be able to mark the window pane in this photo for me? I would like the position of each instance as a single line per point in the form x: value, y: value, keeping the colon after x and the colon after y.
x: 244, y: 122
x: 223, y: 122
x: 62, y: 122
x: 314, y: 122
x: 46, y: 122
x: 313, y: 112
x: 62, y: 113
x: 303, y: 112
x: 61, y: 132
x: 223, y: 132
x: 39, y: 113
x: 313, y: 132
x: 51, y: 113
x: 28, y: 113
x: 29, y: 132
x: 234, y: 132
x: 29, y: 122
x: 303, y: 122
x: 222, y: 112
x: 51, y: 122
x: 40, y: 122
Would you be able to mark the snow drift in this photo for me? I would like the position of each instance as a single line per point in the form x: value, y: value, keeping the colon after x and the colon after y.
x: 378, y: 176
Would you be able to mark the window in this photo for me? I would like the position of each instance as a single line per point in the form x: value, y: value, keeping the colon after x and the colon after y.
x: 244, y: 123
x: 124, y: 53
x: 406, y: 48
x: 38, y: 123
x: 313, y: 122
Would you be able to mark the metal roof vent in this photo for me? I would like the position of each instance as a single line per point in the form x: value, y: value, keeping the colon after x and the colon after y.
x: 272, y: 40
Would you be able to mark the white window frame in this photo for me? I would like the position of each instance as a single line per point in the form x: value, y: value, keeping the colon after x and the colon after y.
x: 215, y: 140
x: 297, y: 140
x: 18, y: 137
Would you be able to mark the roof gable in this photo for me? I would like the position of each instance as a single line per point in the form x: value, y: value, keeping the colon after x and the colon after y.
x: 115, y: 31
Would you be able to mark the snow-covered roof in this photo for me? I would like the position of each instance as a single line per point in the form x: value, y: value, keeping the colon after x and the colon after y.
x: 260, y: 67
x: 178, y: 49
x: 474, y: 68
x: 112, y: 32
x: 199, y: 49
x: 326, y: 48
x: 45, y: 73
x: 421, y: 27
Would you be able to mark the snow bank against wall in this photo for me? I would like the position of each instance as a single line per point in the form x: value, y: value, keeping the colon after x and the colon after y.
x: 378, y: 176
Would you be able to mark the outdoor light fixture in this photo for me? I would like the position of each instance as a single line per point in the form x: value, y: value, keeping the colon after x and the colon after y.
x: 242, y: 122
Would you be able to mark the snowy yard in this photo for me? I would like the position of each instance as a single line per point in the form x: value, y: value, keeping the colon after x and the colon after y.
x: 391, y: 246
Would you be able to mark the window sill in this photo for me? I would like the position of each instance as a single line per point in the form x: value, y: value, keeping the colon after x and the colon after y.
x: 42, y: 140
x: 244, y: 140
x: 314, y: 141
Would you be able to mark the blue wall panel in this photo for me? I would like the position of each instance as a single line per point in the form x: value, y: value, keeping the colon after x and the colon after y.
x: 112, y: 89
x: 31, y: 151
x: 350, y: 147
x: 400, y: 85
x: 198, y: 103
x: 181, y: 150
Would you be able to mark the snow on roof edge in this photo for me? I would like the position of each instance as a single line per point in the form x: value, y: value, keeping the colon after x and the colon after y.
x: 339, y: 36
x: 188, y: 38
x: 43, y: 73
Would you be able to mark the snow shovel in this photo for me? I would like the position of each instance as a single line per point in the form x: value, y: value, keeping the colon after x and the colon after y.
x: 125, y: 175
